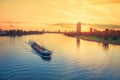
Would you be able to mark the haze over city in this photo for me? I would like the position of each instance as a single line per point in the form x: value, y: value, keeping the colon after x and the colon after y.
x: 40, y: 14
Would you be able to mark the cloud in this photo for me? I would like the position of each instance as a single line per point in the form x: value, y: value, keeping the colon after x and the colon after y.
x: 105, y: 1
x: 16, y: 22
x: 64, y: 25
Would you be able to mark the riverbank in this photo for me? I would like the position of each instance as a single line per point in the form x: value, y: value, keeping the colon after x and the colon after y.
x: 18, y: 32
x: 97, y: 39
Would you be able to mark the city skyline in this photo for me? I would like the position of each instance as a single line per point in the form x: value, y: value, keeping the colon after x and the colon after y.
x: 58, y: 15
x: 55, y: 27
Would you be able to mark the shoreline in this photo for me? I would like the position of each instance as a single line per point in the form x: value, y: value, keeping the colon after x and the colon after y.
x: 97, y: 39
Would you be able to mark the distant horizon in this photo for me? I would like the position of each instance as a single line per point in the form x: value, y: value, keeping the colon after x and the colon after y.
x: 59, y: 14
x: 7, y: 25
x: 20, y: 22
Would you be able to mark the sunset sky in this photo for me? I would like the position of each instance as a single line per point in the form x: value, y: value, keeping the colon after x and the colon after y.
x: 35, y: 12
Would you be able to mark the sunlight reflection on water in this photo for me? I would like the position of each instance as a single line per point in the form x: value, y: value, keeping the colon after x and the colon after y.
x: 73, y: 59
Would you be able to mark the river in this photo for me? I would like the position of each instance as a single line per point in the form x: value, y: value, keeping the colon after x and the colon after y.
x: 72, y: 59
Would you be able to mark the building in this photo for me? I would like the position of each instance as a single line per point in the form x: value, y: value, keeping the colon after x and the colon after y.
x: 0, y: 31
x: 78, y: 30
x: 91, y: 30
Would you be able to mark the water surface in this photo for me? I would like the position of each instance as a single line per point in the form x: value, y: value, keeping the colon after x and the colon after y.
x: 72, y: 59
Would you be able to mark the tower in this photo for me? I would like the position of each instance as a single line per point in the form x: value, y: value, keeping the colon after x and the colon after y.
x: 78, y: 29
x: 91, y: 30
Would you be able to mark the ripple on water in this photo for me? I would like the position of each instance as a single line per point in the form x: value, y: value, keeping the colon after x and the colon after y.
x: 20, y: 62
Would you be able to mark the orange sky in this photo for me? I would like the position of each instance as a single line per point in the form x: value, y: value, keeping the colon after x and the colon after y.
x: 30, y: 13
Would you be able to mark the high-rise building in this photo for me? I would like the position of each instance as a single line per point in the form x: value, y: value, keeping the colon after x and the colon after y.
x: 78, y: 30
x: 0, y: 30
x: 91, y: 30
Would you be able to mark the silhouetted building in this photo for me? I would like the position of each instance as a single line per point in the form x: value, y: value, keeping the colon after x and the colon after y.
x: 18, y: 32
x: 106, y: 34
x: 78, y: 27
x: 0, y: 30
x: 91, y: 30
